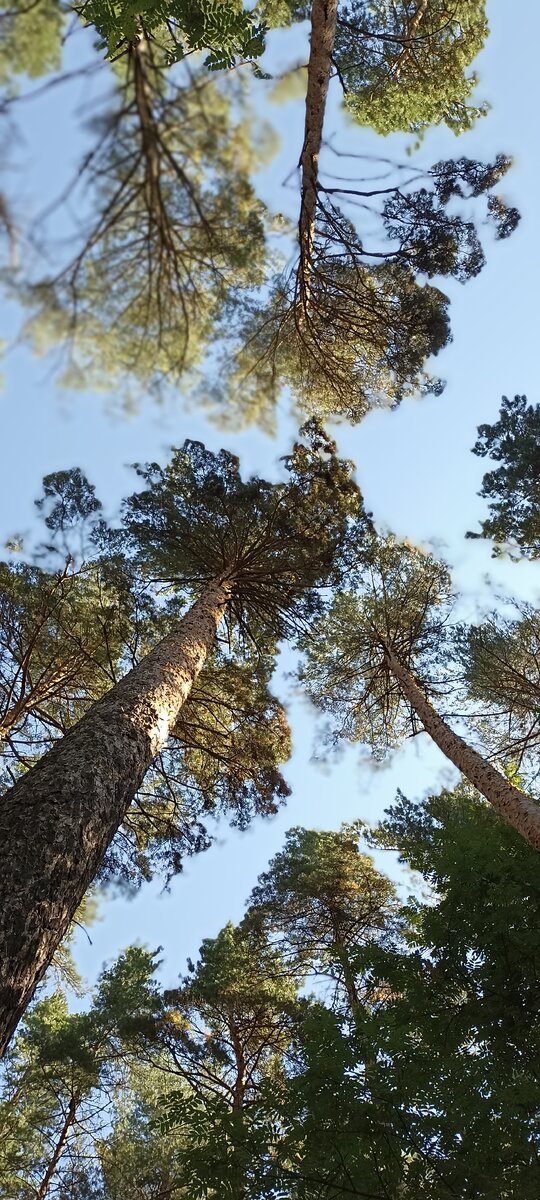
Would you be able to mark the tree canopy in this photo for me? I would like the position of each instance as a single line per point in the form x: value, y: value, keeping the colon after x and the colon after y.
x: 511, y: 489
x: 241, y: 1082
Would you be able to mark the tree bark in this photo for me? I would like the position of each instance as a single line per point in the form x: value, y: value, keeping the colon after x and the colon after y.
x: 62, y: 1139
x: 323, y: 34
x: 58, y: 820
x: 510, y: 803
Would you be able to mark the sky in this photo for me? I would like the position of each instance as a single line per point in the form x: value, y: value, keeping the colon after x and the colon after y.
x: 414, y: 465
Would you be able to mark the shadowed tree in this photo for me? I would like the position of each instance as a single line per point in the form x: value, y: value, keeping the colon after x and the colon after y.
x: 254, y: 550
x: 61, y: 1074
x: 513, y: 488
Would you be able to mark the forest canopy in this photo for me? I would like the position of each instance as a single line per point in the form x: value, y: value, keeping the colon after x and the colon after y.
x: 249, y: 231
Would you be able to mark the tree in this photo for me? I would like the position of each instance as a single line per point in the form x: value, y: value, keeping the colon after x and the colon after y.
x: 240, y: 1083
x: 61, y: 1075
x: 512, y: 489
x: 448, y: 1104
x: 177, y: 28
x: 170, y: 227
x: 352, y: 325
x: 66, y: 621
x: 171, y: 240
x: 500, y: 663
x: 234, y: 1023
x: 256, y: 550
x: 68, y: 634
x: 374, y: 659
x: 404, y: 67
x: 471, y: 1016
x: 321, y: 900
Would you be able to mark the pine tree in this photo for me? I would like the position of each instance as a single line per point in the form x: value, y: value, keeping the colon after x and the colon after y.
x: 252, y: 549
x: 172, y: 227
x: 61, y: 1075
x: 376, y: 658
x: 351, y: 326
x: 404, y: 67
x: 320, y: 900
x: 512, y: 489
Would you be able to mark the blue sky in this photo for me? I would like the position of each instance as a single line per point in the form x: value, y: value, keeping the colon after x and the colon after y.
x: 414, y: 465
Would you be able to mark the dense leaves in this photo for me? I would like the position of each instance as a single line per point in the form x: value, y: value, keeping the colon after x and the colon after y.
x: 421, y: 1083
x: 196, y: 519
x: 405, y: 66
x: 512, y: 489
x: 178, y: 28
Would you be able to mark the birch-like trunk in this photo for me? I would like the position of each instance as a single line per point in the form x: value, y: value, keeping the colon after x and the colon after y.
x: 58, y: 820
x: 323, y: 34
x: 510, y: 803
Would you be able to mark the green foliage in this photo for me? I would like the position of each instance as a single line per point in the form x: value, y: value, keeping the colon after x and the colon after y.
x: 355, y: 334
x: 500, y: 660
x: 60, y: 1070
x: 30, y: 39
x: 196, y: 520
x: 239, y: 1084
x: 321, y: 899
x: 363, y: 346
x: 513, y: 488
x: 179, y: 27
x: 402, y: 600
x: 224, y: 761
x: 405, y: 67
x: 172, y: 227
x: 61, y: 640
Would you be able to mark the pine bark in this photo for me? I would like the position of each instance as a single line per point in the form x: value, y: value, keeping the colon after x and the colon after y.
x: 323, y: 34
x: 58, y: 820
x: 509, y: 802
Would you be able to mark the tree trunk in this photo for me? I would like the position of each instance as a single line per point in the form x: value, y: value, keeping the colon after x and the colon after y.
x: 323, y: 33
x: 58, y: 820
x: 510, y: 803
x: 53, y: 1163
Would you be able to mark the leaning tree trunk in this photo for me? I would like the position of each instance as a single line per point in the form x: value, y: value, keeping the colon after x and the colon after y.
x: 58, y: 820
x: 71, y: 1113
x: 510, y: 803
x: 323, y: 33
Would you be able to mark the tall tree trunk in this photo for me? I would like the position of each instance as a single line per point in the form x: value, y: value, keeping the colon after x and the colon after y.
x: 323, y: 34
x: 238, y: 1103
x: 58, y: 820
x: 510, y: 803
x: 57, y: 1152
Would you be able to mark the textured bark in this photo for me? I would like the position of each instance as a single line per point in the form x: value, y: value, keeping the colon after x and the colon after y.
x: 323, y: 33
x: 58, y: 820
x: 510, y: 803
